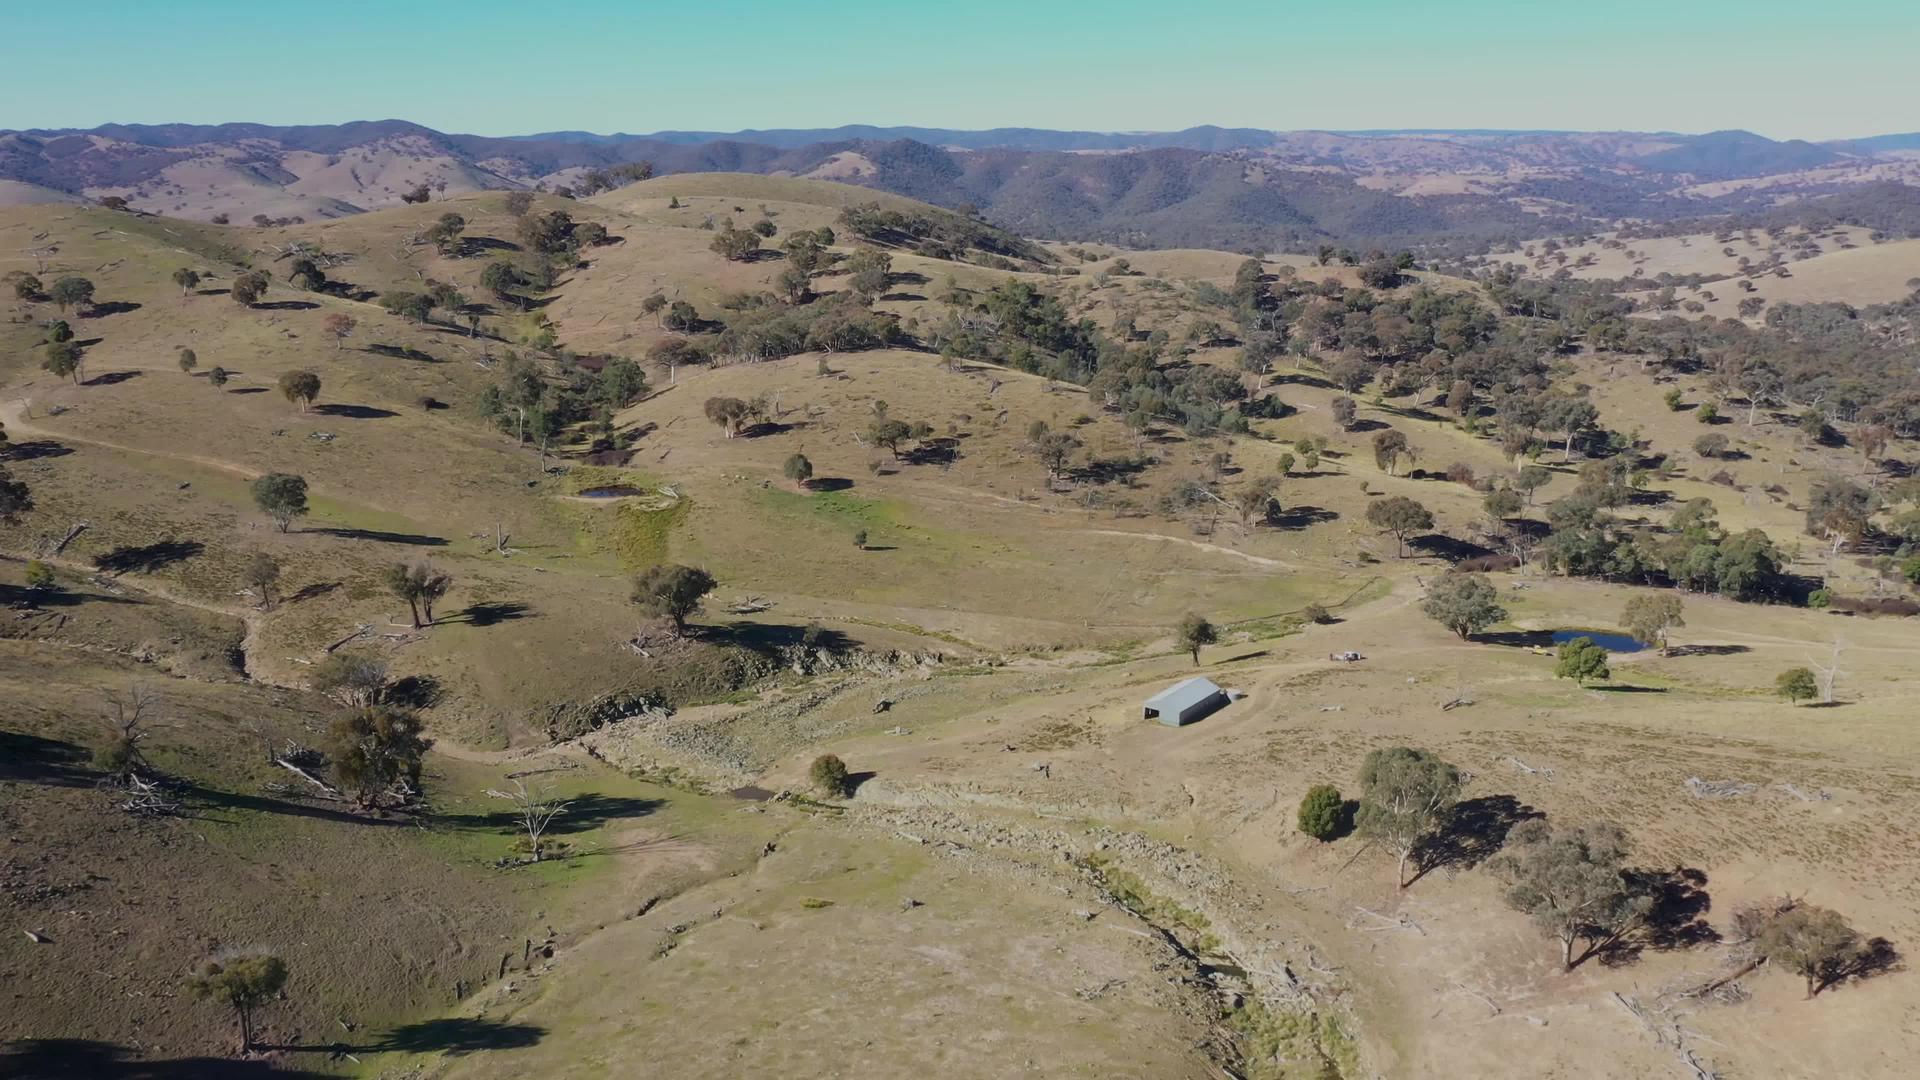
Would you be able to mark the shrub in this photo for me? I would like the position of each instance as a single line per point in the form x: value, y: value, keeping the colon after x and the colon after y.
x: 1580, y: 660
x: 829, y: 776
x: 1315, y: 614
x: 1796, y: 685
x: 1322, y: 811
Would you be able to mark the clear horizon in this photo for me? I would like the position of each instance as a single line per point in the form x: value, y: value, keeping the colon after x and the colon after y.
x: 489, y: 68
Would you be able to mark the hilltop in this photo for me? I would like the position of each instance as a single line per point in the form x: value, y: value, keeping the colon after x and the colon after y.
x: 961, y: 493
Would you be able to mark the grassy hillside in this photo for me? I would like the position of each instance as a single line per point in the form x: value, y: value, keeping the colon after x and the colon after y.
x: 1020, y: 476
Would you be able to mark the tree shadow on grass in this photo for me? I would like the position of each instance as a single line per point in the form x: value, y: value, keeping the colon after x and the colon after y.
x: 1677, y: 919
x: 771, y: 638
x: 456, y: 1035
x: 148, y: 558
x: 1449, y: 548
x: 111, y: 307
x: 214, y: 800
x: 1876, y: 956
x: 1300, y: 517
x: 34, y: 759
x: 416, y: 692
x: 36, y: 449
x: 1708, y: 650
x: 490, y: 613
x: 586, y: 811
x: 309, y: 592
x: 415, y: 539
x: 1517, y: 639
x: 88, y: 1059
x: 354, y: 412
x: 1474, y: 832
x: 402, y: 352
x: 113, y: 378
x: 286, y: 305
x: 14, y: 596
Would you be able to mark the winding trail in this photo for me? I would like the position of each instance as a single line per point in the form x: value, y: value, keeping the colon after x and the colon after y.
x: 13, y: 414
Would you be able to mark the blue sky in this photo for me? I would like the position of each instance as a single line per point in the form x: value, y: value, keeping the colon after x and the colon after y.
x: 1786, y: 69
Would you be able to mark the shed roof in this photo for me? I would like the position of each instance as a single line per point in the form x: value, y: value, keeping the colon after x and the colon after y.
x: 1181, y: 696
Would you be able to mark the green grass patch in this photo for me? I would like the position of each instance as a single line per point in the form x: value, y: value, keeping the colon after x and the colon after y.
x: 1134, y: 895
x: 636, y: 533
x: 838, y: 509
x: 1280, y: 1045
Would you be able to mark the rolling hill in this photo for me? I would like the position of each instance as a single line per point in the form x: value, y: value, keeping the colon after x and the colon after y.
x: 961, y: 494
x: 1222, y: 188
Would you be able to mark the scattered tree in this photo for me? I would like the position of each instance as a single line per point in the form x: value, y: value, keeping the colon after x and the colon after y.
x: 1573, y: 882
x: 121, y: 756
x: 242, y: 982
x: 411, y: 306
x: 1194, y: 632
x: 1532, y: 478
x: 1711, y: 445
x: 1502, y: 504
x: 1257, y: 499
x: 728, y: 412
x: 248, y: 288
x: 355, y: 679
x: 263, y: 572
x: 1388, y: 448
x: 830, y: 778
x: 890, y: 433
x: 534, y: 811
x: 187, y: 279
x: 1321, y: 811
x: 1813, y: 942
x: 283, y: 496
x: 420, y: 584
x: 74, y: 292
x: 1581, y: 660
x: 1649, y: 616
x: 217, y: 377
x: 1406, y: 795
x: 672, y: 591
x: 1464, y: 603
x: 799, y: 470
x: 376, y: 753
x: 300, y: 387
x: 1344, y: 412
x: 188, y: 360
x: 445, y: 232
x: 1400, y: 516
x: 63, y: 360
x: 1796, y: 685
x: 40, y: 577
x: 339, y: 326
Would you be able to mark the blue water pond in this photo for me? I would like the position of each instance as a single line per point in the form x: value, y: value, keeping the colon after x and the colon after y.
x: 1620, y: 643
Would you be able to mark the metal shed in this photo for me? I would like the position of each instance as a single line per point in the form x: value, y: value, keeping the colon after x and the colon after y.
x: 1185, y: 702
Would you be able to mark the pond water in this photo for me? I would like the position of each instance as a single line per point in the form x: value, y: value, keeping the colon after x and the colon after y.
x: 1620, y: 643
x: 617, y: 492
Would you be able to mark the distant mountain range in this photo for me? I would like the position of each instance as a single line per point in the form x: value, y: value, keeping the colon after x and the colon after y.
x: 1204, y: 186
